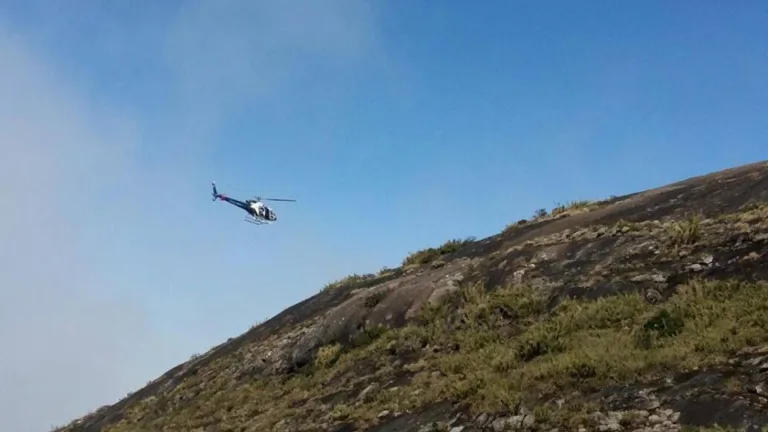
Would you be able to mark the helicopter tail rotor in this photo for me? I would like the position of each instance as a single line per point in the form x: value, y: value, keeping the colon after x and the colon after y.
x: 214, y: 192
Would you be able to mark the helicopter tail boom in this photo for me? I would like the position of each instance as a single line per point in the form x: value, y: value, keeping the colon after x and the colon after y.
x: 216, y: 195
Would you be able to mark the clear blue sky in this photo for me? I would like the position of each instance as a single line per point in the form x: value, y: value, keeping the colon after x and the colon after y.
x: 396, y: 125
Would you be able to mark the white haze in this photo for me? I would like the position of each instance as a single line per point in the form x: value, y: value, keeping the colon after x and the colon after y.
x: 75, y: 336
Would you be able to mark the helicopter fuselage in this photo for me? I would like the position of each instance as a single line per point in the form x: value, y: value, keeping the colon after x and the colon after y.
x: 259, y: 212
x: 258, y: 209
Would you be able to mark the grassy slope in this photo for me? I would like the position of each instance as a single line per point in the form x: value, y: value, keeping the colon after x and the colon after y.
x: 492, y: 350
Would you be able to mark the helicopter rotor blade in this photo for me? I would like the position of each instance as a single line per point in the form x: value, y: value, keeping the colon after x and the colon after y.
x: 259, y: 198
x: 280, y: 199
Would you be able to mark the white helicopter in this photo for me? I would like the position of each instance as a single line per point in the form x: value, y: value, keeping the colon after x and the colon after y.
x: 258, y: 212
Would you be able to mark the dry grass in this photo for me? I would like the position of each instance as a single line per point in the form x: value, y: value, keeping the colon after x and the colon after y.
x: 348, y: 280
x: 432, y: 254
x: 490, y: 349
x: 573, y: 207
x: 587, y: 345
x: 685, y: 232
x: 560, y: 210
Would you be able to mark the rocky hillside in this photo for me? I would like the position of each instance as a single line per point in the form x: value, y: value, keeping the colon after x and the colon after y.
x: 646, y: 312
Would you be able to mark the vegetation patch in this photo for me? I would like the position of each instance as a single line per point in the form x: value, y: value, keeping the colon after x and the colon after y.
x: 375, y: 298
x: 560, y: 210
x: 685, y: 232
x: 496, y: 349
x: 429, y: 255
x: 572, y: 208
x: 328, y: 354
x: 349, y: 280
x: 584, y: 345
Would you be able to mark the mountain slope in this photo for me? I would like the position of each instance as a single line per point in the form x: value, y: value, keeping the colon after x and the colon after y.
x: 642, y: 312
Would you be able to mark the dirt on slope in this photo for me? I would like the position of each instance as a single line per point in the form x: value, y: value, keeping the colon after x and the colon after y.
x: 642, y: 312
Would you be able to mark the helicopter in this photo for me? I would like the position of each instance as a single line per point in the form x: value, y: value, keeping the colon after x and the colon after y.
x: 258, y: 212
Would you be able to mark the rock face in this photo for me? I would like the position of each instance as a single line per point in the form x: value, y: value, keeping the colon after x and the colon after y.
x: 639, y: 313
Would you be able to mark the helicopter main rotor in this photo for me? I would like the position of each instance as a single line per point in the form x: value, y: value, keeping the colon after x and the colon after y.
x: 258, y: 198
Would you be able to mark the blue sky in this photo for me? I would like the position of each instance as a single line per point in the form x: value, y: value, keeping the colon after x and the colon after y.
x: 396, y: 126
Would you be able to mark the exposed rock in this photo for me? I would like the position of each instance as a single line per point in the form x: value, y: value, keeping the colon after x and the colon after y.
x: 649, y: 277
x: 501, y: 424
x: 367, y: 391
x: 653, y: 296
x: 481, y: 419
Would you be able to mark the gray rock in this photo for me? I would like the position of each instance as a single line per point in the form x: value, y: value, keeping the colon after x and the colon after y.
x: 500, y: 424
x: 518, y: 275
x: 654, y: 419
x: 384, y: 413
x: 365, y: 393
x: 649, y: 277
x: 481, y: 419
x: 653, y: 296
x: 518, y: 422
x: 597, y: 417
x: 528, y: 421
x: 611, y: 426
x: 457, y: 429
x: 754, y: 350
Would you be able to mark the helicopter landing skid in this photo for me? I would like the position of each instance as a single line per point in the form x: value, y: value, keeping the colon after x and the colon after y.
x: 257, y: 221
